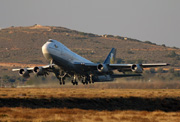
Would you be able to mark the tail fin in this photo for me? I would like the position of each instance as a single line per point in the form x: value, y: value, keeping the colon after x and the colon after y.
x: 111, y: 57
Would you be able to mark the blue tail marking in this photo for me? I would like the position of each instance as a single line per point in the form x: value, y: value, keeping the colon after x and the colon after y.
x: 111, y: 57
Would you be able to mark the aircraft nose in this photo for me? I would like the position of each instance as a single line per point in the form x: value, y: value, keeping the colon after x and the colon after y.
x: 45, y: 50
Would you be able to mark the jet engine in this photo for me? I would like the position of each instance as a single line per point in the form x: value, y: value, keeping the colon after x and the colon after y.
x: 102, y: 68
x: 136, y: 68
x: 24, y: 73
x: 39, y: 71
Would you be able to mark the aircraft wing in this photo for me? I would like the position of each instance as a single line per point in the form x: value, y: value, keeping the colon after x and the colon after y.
x: 137, y: 68
x: 32, y: 68
x: 41, y: 70
x: 120, y: 67
x: 29, y: 69
x: 154, y: 65
x: 125, y: 66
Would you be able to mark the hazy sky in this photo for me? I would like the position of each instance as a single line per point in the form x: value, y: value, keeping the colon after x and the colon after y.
x: 157, y: 21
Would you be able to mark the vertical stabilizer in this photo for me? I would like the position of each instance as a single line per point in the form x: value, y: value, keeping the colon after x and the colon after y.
x: 111, y: 57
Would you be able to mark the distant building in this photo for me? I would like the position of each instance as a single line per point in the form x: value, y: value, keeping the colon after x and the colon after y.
x: 105, y: 35
x: 125, y: 38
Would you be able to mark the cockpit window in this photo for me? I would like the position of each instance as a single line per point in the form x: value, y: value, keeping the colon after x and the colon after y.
x: 50, y: 40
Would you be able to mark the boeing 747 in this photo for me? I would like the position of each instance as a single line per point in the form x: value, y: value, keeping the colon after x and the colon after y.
x: 65, y: 63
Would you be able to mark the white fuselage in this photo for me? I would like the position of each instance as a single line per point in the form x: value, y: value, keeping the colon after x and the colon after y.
x: 54, y: 50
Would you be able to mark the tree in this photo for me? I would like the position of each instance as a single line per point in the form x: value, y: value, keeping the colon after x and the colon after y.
x: 160, y: 70
x: 119, y: 61
x: 172, y: 54
x: 171, y: 70
x: 5, y: 78
x: 176, y: 73
x: 152, y: 70
x: 140, y: 61
x: 130, y: 52
x: 163, y: 45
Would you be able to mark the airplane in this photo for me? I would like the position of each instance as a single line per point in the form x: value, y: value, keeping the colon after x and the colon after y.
x: 65, y: 63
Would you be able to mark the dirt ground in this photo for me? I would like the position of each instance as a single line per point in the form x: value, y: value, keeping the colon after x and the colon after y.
x: 87, y: 105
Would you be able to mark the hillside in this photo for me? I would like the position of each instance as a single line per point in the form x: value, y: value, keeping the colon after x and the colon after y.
x: 23, y: 45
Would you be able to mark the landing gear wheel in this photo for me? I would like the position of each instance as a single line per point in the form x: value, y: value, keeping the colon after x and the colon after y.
x: 63, y: 82
x: 86, y: 82
x: 60, y: 82
x: 74, y: 82
x: 83, y: 82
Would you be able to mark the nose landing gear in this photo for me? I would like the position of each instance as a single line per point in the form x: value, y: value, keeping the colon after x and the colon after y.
x: 61, y: 81
x: 61, y: 78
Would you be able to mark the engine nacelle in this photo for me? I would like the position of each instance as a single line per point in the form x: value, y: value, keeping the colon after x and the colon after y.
x: 102, y: 68
x: 24, y: 73
x: 136, y: 68
x: 38, y: 71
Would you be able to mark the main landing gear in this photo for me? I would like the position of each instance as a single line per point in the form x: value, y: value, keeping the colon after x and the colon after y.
x: 61, y: 78
x: 87, y: 80
x: 74, y: 81
x: 84, y: 80
x: 61, y: 81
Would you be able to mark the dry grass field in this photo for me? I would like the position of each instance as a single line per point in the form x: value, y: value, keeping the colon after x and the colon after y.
x: 87, y: 105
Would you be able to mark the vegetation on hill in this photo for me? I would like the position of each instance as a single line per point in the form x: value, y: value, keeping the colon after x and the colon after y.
x: 23, y: 45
